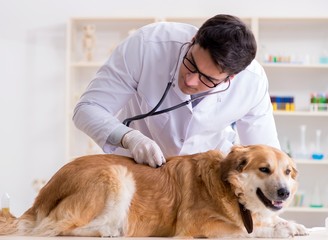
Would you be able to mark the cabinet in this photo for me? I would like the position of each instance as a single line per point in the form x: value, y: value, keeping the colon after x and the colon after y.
x: 300, y: 44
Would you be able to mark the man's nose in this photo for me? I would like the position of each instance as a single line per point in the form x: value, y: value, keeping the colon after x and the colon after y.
x: 192, y: 79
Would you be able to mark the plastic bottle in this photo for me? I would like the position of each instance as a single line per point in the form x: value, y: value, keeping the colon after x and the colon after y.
x: 316, y: 200
x: 287, y: 148
x: 5, y: 203
x: 279, y: 103
x: 303, y: 150
x: 317, y: 155
x: 292, y: 104
x: 289, y: 103
x: 274, y: 103
x: 321, y: 102
x: 313, y: 105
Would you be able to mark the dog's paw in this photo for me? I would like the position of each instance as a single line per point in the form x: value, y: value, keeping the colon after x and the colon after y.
x: 301, y: 230
x: 287, y: 229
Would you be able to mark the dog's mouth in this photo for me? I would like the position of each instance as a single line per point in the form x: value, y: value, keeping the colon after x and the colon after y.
x: 272, y: 204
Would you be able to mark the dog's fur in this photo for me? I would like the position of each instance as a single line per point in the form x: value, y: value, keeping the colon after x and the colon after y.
x: 190, y: 196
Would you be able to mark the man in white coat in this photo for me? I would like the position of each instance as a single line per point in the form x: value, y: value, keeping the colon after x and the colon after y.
x: 211, y: 72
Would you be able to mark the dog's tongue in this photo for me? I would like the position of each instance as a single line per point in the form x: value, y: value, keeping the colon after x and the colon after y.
x: 277, y: 204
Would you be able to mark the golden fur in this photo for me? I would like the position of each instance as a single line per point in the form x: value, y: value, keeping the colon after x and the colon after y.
x: 190, y: 196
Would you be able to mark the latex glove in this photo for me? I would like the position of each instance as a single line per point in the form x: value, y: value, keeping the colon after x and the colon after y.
x: 143, y: 149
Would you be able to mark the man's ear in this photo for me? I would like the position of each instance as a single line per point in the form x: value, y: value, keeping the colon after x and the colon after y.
x: 193, y: 41
x: 230, y: 78
x: 294, y: 172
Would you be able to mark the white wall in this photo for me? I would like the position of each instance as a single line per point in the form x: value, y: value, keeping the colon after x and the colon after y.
x: 32, y: 68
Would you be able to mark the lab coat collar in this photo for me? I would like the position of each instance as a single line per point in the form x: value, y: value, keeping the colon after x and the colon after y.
x: 175, y: 75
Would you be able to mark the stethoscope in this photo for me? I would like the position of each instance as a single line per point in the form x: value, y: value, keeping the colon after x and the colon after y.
x: 154, y: 111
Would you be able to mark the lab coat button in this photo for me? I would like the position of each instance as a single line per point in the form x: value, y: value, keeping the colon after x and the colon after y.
x: 181, y: 140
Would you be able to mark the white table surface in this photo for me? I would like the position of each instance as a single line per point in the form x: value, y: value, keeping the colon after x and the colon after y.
x: 315, y: 234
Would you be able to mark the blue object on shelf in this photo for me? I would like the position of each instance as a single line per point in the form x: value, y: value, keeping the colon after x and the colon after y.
x: 317, y: 156
x: 323, y: 60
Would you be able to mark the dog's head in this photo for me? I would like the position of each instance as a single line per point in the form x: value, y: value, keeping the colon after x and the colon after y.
x: 262, y: 177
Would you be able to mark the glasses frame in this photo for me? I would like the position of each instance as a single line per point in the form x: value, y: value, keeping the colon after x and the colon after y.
x: 208, y: 78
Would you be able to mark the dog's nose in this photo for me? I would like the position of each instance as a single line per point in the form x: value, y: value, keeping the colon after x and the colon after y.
x: 283, y: 193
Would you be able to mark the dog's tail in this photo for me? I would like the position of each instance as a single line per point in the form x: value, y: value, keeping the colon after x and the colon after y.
x: 8, y: 223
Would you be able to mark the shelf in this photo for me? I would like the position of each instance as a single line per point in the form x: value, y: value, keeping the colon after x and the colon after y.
x: 311, y: 162
x: 301, y: 113
x: 294, y: 65
x: 307, y: 210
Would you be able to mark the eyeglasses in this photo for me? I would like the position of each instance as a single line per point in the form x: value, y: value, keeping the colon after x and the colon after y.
x: 206, y: 80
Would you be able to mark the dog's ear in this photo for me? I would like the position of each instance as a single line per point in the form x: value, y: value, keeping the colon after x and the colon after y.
x: 236, y: 161
x: 294, y: 172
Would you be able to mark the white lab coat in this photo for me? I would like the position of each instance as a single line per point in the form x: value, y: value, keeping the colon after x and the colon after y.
x: 134, y: 78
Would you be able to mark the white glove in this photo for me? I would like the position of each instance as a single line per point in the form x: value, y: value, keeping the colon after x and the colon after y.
x: 143, y: 149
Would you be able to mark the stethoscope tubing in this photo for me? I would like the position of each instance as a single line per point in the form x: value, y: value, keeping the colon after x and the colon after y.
x: 153, y: 112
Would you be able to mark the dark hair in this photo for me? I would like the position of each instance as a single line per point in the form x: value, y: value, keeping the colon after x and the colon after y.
x: 230, y: 42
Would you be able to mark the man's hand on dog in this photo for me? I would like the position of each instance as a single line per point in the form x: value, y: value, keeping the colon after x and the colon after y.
x: 143, y: 149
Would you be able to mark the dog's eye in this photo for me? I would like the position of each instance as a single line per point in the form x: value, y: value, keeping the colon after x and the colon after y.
x: 288, y: 171
x: 264, y: 170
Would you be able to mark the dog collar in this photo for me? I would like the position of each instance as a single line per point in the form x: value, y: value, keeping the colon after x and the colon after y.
x: 247, y: 218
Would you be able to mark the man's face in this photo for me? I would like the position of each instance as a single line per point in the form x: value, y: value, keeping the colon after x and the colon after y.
x: 198, y: 72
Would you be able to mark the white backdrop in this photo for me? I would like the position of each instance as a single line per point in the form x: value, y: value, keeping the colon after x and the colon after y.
x: 32, y: 73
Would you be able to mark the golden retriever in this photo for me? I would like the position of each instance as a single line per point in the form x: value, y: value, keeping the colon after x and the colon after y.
x: 200, y: 195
